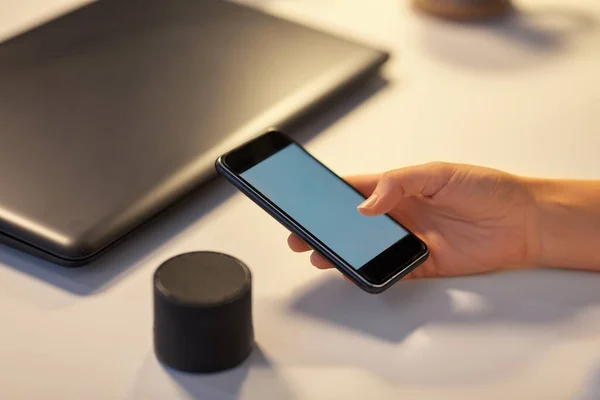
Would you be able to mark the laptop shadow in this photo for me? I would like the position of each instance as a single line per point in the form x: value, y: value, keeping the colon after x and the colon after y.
x: 130, y: 253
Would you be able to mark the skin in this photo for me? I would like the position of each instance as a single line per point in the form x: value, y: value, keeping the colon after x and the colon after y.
x: 477, y: 220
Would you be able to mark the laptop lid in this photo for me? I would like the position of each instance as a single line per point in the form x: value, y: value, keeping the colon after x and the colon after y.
x: 113, y: 111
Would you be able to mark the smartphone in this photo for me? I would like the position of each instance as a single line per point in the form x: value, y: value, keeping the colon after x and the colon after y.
x: 320, y: 207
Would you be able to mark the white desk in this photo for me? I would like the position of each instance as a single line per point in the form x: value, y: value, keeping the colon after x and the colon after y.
x: 523, y: 96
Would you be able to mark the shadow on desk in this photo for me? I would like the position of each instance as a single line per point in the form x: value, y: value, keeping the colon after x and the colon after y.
x: 590, y: 389
x: 488, y: 326
x: 256, y: 377
x: 523, y: 298
x: 521, y: 39
x: 143, y: 242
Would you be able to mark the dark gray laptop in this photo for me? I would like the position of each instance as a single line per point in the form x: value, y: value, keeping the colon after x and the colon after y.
x: 113, y: 112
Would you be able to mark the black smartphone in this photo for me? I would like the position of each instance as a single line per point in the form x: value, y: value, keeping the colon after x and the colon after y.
x: 321, y: 208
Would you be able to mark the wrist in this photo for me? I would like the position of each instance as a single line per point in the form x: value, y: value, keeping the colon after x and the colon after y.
x: 539, y: 214
x: 533, y: 220
x: 564, y: 223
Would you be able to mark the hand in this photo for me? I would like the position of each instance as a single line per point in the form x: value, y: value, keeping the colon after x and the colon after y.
x: 473, y: 219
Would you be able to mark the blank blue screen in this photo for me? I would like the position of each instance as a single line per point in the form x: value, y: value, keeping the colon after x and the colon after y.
x: 323, y: 204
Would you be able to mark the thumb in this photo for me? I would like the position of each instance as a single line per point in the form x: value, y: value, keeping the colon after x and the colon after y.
x: 395, y: 185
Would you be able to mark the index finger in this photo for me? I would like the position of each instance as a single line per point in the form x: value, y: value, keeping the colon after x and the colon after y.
x: 365, y: 184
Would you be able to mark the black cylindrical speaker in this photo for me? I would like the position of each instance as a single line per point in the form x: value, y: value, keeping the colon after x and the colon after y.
x: 203, y: 312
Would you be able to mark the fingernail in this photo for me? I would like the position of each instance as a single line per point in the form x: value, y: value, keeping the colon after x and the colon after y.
x: 370, y: 202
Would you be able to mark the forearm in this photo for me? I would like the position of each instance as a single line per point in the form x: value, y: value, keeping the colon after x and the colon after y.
x: 567, y: 219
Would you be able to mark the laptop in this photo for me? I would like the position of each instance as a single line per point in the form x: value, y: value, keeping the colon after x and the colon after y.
x: 115, y: 111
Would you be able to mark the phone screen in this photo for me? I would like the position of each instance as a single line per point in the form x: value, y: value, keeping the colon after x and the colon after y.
x: 323, y: 204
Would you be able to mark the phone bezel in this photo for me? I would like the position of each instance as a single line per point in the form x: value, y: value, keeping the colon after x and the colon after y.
x: 380, y: 272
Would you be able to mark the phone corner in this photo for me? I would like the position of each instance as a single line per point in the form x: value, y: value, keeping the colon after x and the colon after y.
x: 218, y: 164
x: 371, y: 289
x: 425, y: 256
x: 375, y: 292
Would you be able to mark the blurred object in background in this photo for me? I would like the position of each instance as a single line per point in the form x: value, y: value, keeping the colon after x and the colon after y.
x: 465, y: 10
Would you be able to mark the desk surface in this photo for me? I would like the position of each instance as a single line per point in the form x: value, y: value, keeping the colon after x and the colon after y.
x: 522, y: 95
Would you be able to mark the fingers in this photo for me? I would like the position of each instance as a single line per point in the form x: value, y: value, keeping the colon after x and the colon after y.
x: 319, y: 262
x: 384, y: 191
x: 393, y: 186
x: 296, y: 244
